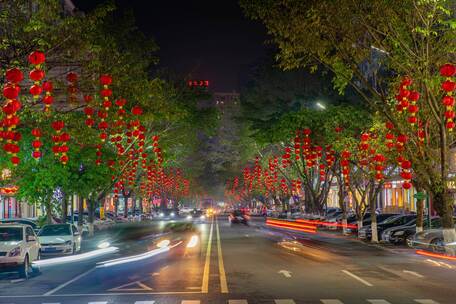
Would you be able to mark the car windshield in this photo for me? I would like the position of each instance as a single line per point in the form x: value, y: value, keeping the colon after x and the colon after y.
x: 8, y: 234
x: 51, y: 230
x: 393, y: 219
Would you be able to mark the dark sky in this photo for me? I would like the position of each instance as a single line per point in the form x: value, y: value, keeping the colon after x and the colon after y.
x: 205, y: 39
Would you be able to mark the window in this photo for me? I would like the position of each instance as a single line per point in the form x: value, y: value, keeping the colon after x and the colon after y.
x: 29, y: 232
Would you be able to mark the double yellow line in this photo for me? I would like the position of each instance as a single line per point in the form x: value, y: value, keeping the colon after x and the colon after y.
x: 207, y: 264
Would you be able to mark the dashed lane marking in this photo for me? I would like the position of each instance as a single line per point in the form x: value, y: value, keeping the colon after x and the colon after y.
x: 378, y: 302
x: 426, y: 301
x: 357, y: 278
x: 331, y: 301
x: 144, y: 302
x: 284, y: 301
x: 50, y: 292
x: 237, y: 302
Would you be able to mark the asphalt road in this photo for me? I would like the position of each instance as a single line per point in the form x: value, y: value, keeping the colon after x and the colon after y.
x: 240, y: 265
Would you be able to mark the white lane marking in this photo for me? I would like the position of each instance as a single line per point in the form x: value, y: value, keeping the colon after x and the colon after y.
x: 191, y: 302
x: 357, y: 278
x: 378, y: 301
x: 426, y: 301
x: 331, y: 301
x: 286, y: 273
x: 17, y: 280
x: 144, y: 302
x: 416, y: 274
x: 237, y: 302
x: 99, y: 302
x: 284, y: 301
x: 50, y: 292
x: 139, y: 286
x: 51, y: 303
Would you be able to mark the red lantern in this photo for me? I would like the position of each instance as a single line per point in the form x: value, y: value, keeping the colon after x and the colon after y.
x: 10, y: 92
x: 136, y: 110
x: 448, y: 86
x: 14, y: 75
x: 36, y: 58
x: 406, y: 185
x: 15, y: 160
x: 105, y: 79
x: 36, y: 74
x: 448, y: 101
x: 35, y: 90
x: 448, y: 70
x: 72, y: 77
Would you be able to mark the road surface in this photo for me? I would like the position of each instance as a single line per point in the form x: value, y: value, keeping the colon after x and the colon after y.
x: 243, y: 265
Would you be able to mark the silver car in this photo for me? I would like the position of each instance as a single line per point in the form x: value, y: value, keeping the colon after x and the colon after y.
x: 431, y: 239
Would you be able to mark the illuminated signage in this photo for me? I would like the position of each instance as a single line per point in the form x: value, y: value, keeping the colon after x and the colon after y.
x: 198, y: 83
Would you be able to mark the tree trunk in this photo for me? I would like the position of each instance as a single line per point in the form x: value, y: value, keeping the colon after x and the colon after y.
x: 126, y: 206
x: 372, y: 208
x: 91, y: 206
x: 342, y: 205
x: 116, y: 206
x: 419, y: 215
x: 48, y: 206
x: 80, y: 213
x: 64, y: 209
x: 443, y: 203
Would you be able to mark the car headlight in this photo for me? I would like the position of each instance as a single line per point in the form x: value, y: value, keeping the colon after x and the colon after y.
x: 202, y: 217
x: 15, y: 252
x: 189, y: 217
x: 68, y: 243
x: 161, y: 214
x: 401, y: 232
x: 172, y: 214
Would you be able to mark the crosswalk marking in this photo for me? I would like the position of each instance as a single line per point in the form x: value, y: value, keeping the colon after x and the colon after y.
x: 331, y: 301
x: 191, y: 302
x: 144, y: 302
x: 237, y: 302
x: 378, y: 302
x: 426, y: 301
x: 284, y: 301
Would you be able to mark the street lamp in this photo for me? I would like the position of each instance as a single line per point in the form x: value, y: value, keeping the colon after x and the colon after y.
x: 320, y: 105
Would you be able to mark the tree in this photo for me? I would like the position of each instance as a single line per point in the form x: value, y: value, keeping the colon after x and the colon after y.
x: 371, y: 46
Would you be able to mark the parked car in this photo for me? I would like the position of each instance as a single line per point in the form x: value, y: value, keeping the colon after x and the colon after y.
x: 196, y: 214
x: 59, y: 239
x: 23, y: 221
x: 238, y: 217
x: 19, y: 247
x: 400, y: 234
x: 367, y: 220
x: 431, y: 239
x: 393, y: 221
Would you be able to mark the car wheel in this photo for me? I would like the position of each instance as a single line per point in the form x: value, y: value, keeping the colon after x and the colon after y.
x: 437, y: 245
x: 25, y: 268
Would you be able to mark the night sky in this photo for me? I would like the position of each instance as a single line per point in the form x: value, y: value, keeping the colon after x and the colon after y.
x: 204, y: 39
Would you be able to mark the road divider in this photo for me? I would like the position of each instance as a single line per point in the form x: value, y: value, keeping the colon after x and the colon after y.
x: 292, y: 225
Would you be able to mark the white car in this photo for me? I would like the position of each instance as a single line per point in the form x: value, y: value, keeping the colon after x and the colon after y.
x: 19, y: 247
x: 59, y: 239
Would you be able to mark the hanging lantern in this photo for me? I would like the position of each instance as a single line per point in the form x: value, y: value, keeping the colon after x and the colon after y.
x: 36, y: 58
x: 36, y: 143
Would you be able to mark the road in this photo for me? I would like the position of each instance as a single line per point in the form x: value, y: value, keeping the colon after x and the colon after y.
x: 243, y: 265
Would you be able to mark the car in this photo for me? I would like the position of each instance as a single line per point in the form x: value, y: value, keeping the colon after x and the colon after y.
x: 167, y: 214
x: 401, y: 234
x: 59, y: 239
x: 19, y: 247
x: 393, y: 221
x: 368, y: 219
x: 238, y: 217
x: 430, y: 239
x: 196, y: 214
x: 23, y: 221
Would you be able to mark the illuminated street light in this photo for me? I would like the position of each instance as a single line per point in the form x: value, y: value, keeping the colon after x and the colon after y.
x: 321, y: 106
